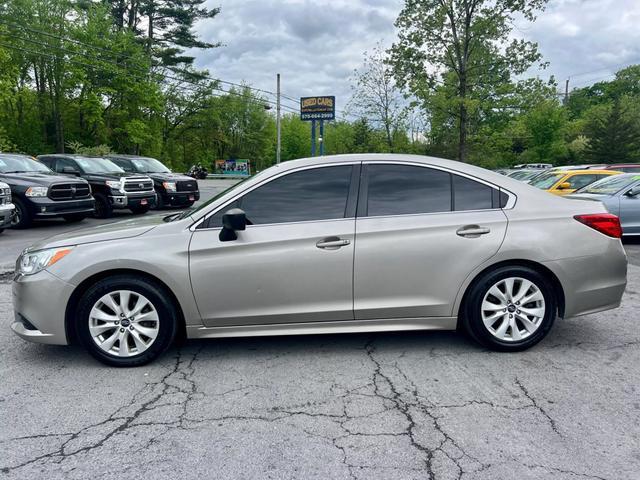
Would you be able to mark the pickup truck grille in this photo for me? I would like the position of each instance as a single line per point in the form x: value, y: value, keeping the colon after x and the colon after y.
x: 187, y: 186
x: 138, y: 184
x: 69, y: 191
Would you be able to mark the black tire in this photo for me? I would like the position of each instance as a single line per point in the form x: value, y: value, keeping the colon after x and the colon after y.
x: 22, y: 218
x: 160, y: 204
x: 1, y: 230
x: 155, y: 293
x: 74, y: 218
x: 102, y: 206
x: 189, y: 204
x: 471, y: 312
x: 142, y: 209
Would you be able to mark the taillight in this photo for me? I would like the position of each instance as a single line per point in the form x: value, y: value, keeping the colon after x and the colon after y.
x: 603, y: 222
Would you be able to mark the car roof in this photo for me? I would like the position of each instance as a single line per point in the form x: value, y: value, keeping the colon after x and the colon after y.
x: 586, y: 171
x: 71, y: 155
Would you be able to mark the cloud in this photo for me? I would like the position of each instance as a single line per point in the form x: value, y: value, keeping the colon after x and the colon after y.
x: 316, y: 45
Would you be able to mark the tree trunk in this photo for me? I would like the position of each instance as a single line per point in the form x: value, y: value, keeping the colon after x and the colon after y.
x: 462, y: 133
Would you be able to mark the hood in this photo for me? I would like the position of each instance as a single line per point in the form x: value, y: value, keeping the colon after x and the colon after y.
x: 111, y: 176
x: 101, y: 233
x: 36, y: 178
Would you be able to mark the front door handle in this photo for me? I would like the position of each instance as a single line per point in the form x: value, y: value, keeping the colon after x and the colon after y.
x: 332, y: 243
x: 472, y: 231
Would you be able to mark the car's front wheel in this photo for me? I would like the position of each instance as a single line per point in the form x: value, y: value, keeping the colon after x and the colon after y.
x: 22, y: 218
x: 126, y: 321
x: 510, y: 309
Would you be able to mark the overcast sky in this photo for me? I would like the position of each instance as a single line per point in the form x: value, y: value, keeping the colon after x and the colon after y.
x: 316, y: 45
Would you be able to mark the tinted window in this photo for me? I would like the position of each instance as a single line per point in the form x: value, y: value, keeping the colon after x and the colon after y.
x: 471, y: 195
x: 579, y: 181
x: 405, y: 189
x: 123, y: 163
x: 317, y: 194
x: 61, y: 163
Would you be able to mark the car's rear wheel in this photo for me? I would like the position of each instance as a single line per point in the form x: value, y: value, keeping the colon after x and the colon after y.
x: 510, y: 309
x: 22, y: 217
x: 126, y: 321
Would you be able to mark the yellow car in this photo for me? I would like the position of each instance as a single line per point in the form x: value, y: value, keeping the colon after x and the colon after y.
x: 564, y: 182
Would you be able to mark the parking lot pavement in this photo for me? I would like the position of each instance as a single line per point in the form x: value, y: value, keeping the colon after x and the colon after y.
x: 391, y: 406
x: 12, y: 242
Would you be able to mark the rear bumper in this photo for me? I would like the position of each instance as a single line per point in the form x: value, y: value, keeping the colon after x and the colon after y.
x: 46, y: 208
x: 39, y: 303
x: 133, y: 200
x: 592, y: 283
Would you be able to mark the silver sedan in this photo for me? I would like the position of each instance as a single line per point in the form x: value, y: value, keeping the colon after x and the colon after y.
x: 353, y: 243
x: 620, y: 194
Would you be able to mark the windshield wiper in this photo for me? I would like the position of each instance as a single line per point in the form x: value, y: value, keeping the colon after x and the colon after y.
x: 20, y: 171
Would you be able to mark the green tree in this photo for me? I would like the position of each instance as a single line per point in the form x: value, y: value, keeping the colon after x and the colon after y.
x: 454, y: 55
x: 613, y: 133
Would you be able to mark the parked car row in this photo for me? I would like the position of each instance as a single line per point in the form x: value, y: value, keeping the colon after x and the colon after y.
x: 75, y: 186
x: 615, y: 185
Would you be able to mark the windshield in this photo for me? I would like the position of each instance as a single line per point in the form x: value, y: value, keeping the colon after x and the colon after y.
x: 98, y: 165
x: 610, y: 185
x: 524, y: 174
x: 21, y: 164
x: 149, y: 165
x: 202, y: 206
x: 546, y: 180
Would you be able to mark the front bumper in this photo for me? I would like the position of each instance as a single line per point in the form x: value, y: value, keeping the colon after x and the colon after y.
x: 6, y: 214
x: 39, y: 304
x: 180, y: 198
x: 133, y: 200
x: 43, y: 207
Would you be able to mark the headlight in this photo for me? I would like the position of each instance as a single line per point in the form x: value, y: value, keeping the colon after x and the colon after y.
x: 34, y: 262
x: 169, y: 186
x: 36, y: 191
x: 115, y: 184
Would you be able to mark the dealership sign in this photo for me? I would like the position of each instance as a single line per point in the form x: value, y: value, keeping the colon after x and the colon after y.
x: 318, y: 108
x: 232, y: 167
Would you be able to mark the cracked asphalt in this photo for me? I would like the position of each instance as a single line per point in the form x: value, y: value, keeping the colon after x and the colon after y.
x: 390, y: 406
x: 381, y: 406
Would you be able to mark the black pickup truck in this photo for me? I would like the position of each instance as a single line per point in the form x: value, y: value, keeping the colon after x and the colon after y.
x: 173, y: 189
x: 112, y: 187
x: 37, y: 192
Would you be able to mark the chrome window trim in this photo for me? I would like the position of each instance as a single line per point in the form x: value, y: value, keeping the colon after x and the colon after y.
x: 510, y: 202
x: 215, y: 210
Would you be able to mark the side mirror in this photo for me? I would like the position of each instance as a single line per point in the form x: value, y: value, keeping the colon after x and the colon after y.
x: 70, y: 171
x: 634, y: 192
x: 564, y: 186
x: 232, y: 221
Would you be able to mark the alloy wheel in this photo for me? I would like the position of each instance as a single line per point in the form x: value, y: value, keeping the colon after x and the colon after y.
x: 123, y: 323
x: 513, y: 309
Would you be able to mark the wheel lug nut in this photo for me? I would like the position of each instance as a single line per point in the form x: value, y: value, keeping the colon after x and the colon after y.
x: 131, y: 327
x: 504, y: 309
x: 517, y: 311
x: 117, y: 322
x: 510, y: 315
x: 122, y: 314
x: 121, y: 330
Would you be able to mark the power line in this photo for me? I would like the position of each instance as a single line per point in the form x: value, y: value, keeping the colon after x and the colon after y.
x: 111, y: 52
x: 129, y: 68
x: 181, y: 80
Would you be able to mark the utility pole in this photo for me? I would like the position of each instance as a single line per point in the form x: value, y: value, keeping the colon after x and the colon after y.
x: 566, y: 92
x: 278, y: 120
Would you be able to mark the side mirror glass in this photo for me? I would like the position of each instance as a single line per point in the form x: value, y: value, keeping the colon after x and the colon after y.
x: 232, y: 221
x: 564, y: 186
x: 70, y: 170
x: 634, y: 192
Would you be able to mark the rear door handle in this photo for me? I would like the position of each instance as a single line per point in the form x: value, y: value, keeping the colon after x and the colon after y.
x: 332, y: 243
x: 472, y: 231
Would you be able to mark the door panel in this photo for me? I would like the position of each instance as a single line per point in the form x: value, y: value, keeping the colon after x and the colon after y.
x: 630, y: 214
x: 274, y: 273
x: 414, y: 265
